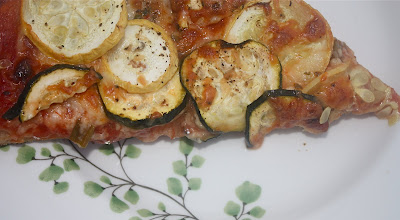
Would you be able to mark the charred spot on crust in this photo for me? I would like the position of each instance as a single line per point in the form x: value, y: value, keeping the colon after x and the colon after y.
x: 216, y: 6
x: 23, y: 71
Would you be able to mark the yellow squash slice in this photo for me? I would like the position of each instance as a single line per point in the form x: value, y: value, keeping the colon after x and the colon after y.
x: 295, y: 32
x: 145, y: 59
x: 74, y: 31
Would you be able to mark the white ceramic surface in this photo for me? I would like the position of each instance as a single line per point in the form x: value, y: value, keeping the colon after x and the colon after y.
x: 351, y: 172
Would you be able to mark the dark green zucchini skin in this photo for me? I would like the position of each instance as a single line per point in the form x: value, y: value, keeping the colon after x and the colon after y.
x: 15, y: 111
x: 263, y: 98
x: 148, y: 122
x: 196, y: 107
x: 193, y: 101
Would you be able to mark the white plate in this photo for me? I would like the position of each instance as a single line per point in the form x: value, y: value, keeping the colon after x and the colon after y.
x: 351, y: 172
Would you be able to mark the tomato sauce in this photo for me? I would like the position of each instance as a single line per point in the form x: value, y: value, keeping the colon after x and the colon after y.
x: 204, y: 25
x: 17, y: 50
x: 208, y: 95
x: 9, y: 19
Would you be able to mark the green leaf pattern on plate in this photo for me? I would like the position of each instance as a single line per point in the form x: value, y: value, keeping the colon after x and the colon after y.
x: 145, y: 213
x: 131, y: 196
x: 92, y: 189
x: 174, y: 186
x: 197, y: 161
x: 58, y: 147
x: 70, y: 165
x: 257, y: 212
x: 232, y: 209
x: 51, y: 173
x: 185, y: 146
x: 5, y: 148
x: 132, y: 152
x: 118, y: 205
x: 161, y: 207
x: 247, y: 193
x: 59, y: 188
x: 105, y: 180
x: 45, y: 152
x: 26, y: 154
x: 107, y: 149
x: 180, y: 168
x: 194, y: 183
x: 179, y: 186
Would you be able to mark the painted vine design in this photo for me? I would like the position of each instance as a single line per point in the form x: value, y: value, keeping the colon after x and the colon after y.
x: 247, y: 193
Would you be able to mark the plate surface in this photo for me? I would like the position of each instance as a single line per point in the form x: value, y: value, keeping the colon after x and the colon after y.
x: 351, y: 172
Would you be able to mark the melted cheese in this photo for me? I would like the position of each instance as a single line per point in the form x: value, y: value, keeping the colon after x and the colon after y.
x: 144, y: 60
x: 297, y: 33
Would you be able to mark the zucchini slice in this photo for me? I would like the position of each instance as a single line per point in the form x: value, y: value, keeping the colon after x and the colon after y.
x: 143, y: 110
x: 293, y: 30
x: 223, y: 79
x: 283, y: 109
x: 144, y: 60
x: 54, y: 85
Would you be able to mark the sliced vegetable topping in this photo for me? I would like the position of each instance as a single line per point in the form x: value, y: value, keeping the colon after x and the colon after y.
x: 293, y: 30
x: 145, y: 59
x: 143, y: 110
x: 74, y: 31
x: 81, y: 136
x: 54, y: 85
x: 283, y: 109
x: 224, y: 79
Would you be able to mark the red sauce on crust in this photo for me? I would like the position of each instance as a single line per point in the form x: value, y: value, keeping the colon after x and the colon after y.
x: 17, y: 49
x: 9, y: 20
x: 191, y: 76
x: 208, y: 95
x: 204, y: 25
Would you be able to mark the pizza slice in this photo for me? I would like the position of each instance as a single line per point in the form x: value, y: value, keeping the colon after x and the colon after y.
x: 113, y: 69
x: 345, y: 87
